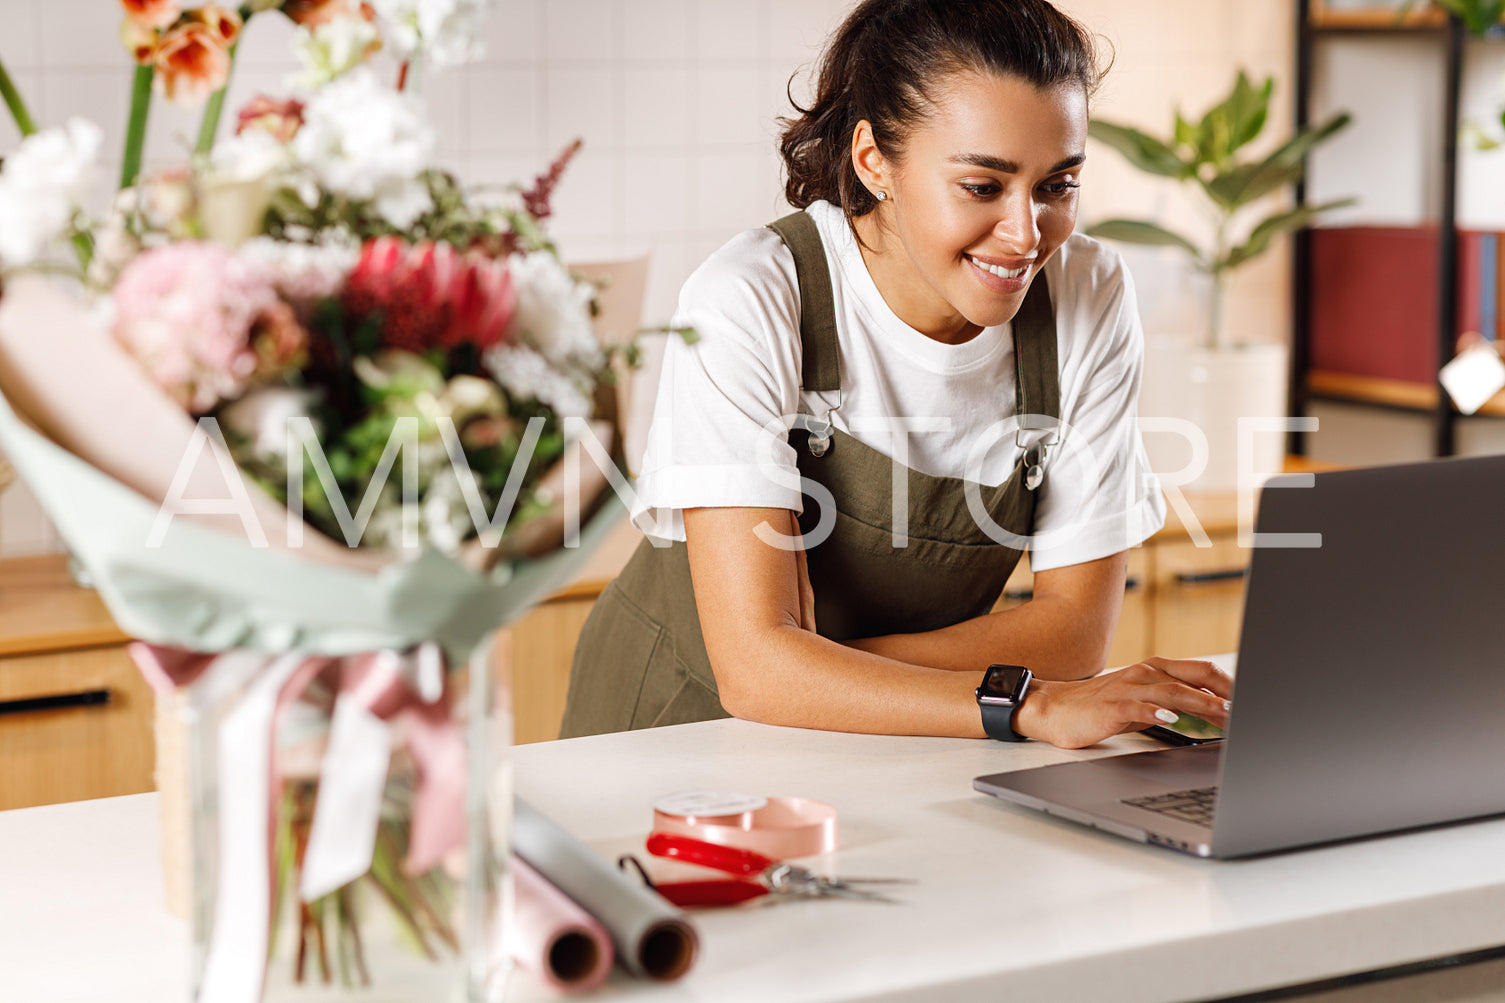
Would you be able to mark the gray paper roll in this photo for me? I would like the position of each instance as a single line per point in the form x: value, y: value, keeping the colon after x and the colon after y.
x: 652, y: 938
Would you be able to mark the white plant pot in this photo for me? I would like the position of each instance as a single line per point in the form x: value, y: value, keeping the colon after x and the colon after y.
x: 1189, y: 390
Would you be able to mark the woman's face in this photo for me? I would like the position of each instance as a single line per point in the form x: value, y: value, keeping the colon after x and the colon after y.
x: 984, y: 194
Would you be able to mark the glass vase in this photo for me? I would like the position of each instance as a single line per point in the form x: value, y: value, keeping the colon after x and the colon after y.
x: 397, y: 933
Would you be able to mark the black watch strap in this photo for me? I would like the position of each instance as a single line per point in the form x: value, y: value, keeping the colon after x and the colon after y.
x: 998, y: 722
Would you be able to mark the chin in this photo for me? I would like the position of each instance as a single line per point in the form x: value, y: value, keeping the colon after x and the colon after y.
x: 995, y: 313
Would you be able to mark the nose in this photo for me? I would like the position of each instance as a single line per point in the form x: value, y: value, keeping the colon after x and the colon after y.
x: 1017, y: 227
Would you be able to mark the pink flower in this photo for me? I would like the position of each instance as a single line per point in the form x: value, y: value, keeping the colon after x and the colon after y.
x: 204, y: 324
x: 152, y: 13
x: 280, y: 119
x: 430, y: 295
x: 193, y: 59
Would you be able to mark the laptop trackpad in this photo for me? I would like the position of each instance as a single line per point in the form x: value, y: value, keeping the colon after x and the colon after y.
x: 1189, y: 766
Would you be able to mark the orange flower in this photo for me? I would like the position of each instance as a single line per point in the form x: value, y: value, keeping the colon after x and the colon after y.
x: 193, y: 62
x: 312, y: 13
x: 152, y: 14
x: 139, y: 40
x: 225, y: 24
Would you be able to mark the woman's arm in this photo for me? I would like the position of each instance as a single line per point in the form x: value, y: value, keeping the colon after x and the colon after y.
x: 1063, y: 632
x: 771, y: 668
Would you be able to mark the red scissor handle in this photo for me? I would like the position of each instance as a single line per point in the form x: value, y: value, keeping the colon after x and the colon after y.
x: 697, y: 851
x: 697, y: 893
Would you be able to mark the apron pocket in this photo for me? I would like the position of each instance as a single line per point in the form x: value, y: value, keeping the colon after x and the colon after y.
x: 617, y: 646
x: 672, y: 694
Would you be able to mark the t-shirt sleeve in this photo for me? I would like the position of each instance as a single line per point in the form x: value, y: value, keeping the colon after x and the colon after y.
x: 1099, y: 496
x: 717, y: 435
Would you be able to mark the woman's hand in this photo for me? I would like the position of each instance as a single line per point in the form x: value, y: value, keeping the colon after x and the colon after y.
x: 1073, y: 715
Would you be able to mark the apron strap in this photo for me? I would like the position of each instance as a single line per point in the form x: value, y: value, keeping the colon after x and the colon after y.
x: 1037, y: 377
x: 820, y: 368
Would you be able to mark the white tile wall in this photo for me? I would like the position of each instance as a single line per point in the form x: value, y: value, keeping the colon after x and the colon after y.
x: 675, y: 99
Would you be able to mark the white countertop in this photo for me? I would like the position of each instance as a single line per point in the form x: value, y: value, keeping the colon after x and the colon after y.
x: 1008, y: 902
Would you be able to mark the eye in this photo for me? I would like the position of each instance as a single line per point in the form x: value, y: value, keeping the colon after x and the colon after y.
x: 1061, y: 188
x: 982, y: 190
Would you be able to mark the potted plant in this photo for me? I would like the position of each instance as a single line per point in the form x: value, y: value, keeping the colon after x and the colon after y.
x: 1213, y: 380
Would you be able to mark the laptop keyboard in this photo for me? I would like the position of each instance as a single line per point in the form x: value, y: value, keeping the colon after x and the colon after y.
x: 1194, y: 805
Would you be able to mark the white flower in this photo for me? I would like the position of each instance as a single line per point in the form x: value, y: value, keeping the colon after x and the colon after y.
x: 259, y: 420
x: 445, y: 32
x: 301, y: 273
x: 330, y: 50
x: 43, y: 186
x: 553, y: 311
x: 370, y: 143
x: 116, y: 243
x: 447, y: 521
x: 254, y: 155
x: 526, y: 375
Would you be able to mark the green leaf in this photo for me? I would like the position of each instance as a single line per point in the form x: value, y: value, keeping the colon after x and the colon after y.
x: 1235, y: 120
x: 1186, y: 132
x: 1249, y: 182
x: 1143, y: 151
x: 1133, y: 231
x: 1478, y: 16
x: 1265, y: 233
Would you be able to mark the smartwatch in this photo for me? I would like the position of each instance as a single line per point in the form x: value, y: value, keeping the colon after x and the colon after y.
x: 1002, y: 691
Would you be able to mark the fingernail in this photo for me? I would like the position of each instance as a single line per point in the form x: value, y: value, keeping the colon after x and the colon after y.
x: 1168, y: 716
x: 1227, y: 705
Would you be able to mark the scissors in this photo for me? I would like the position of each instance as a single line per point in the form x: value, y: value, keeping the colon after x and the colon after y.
x: 754, y: 875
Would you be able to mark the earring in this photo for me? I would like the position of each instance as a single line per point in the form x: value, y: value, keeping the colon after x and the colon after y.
x: 881, y: 196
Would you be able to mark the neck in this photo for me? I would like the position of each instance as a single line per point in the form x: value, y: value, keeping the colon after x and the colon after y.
x: 901, y: 286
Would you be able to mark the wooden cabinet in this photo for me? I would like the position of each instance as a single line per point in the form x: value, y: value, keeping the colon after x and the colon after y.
x: 75, y: 715
x: 542, y: 647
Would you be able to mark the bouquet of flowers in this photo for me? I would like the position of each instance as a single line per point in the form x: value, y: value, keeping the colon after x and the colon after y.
x: 370, y: 352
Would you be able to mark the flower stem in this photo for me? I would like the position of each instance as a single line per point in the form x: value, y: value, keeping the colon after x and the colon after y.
x: 16, y: 105
x: 209, y: 124
x: 135, y: 130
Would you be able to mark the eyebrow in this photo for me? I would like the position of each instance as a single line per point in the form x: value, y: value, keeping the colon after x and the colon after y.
x: 991, y: 163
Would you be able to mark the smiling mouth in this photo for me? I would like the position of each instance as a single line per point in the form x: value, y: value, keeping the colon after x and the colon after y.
x: 999, y: 270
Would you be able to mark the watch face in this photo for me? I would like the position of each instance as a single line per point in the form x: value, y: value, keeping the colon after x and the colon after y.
x: 1002, y: 682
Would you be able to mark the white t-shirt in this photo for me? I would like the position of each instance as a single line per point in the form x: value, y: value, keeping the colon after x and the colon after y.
x: 718, y: 439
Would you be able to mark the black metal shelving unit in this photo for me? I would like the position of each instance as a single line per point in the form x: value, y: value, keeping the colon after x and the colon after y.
x: 1449, y: 35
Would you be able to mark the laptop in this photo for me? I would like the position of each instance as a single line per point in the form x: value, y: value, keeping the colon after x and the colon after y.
x: 1370, y: 688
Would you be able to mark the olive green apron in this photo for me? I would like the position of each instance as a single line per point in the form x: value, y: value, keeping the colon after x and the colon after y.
x: 641, y: 661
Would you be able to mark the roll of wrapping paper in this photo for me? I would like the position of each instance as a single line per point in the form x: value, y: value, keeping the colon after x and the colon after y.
x: 553, y: 937
x: 651, y: 937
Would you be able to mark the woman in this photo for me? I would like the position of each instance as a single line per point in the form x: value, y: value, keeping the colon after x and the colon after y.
x: 928, y: 324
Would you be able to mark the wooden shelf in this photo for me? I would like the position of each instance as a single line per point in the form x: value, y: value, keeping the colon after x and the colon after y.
x: 41, y: 609
x: 1376, y: 18
x: 1400, y: 394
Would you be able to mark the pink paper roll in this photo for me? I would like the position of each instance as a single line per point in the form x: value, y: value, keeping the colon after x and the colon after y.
x: 553, y: 937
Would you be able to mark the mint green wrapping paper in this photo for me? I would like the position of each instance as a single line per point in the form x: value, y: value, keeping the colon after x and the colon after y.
x: 209, y: 591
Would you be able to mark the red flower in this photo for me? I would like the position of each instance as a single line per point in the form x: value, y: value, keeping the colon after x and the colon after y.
x: 431, y: 296
x: 482, y: 301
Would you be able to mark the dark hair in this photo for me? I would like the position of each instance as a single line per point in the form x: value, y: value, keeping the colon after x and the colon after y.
x: 882, y: 62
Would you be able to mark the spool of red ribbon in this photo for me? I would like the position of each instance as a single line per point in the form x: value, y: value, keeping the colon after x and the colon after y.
x: 780, y: 828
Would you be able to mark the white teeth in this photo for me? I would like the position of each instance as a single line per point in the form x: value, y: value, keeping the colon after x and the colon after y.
x: 1001, y: 272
